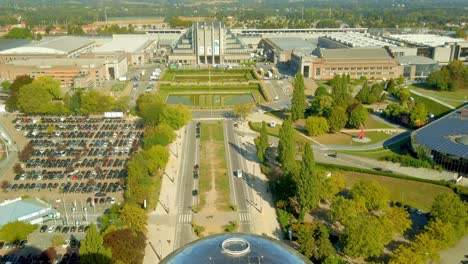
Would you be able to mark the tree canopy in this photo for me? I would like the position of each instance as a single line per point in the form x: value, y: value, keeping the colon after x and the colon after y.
x: 357, y: 116
x: 322, y: 105
x: 92, y: 248
x: 262, y: 143
x: 161, y: 134
x: 298, y: 103
x: 316, y: 126
x: 152, y: 109
x: 374, y: 195
x: 14, y: 88
x: 42, y: 96
x: 19, y: 33
x: 134, y: 217
x: 340, y: 91
x: 337, y: 119
x: 450, y: 78
x: 449, y: 208
x: 243, y: 109
x: 126, y: 245
x: 287, y: 146
x: 16, y: 231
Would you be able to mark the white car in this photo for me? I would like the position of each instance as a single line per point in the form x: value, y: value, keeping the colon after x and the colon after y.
x: 51, y: 229
x: 239, y: 173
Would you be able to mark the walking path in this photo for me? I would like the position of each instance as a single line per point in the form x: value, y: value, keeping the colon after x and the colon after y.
x: 162, y: 224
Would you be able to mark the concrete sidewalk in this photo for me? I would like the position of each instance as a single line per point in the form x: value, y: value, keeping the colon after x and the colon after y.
x: 162, y: 221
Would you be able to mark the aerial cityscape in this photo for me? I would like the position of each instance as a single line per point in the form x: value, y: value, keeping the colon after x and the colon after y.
x: 233, y: 131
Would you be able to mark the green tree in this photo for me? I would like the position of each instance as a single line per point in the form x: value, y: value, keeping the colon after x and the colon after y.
x: 262, y: 143
x: 418, y: 115
x: 150, y: 107
x: 92, y: 248
x: 134, y: 217
x: 243, y: 110
x: 404, y: 94
x: 449, y: 208
x: 344, y: 210
x: 393, y: 110
x: 16, y: 231
x: 6, y: 86
x: 161, y: 134
x: 340, y: 91
x: 391, y: 86
x: 322, y: 105
x: 406, y: 254
x: 304, y: 233
x: 20, y: 81
x: 111, y: 217
x: 19, y: 33
x: 176, y: 116
x: 156, y: 158
x: 287, y: 146
x: 460, y: 33
x: 94, y: 101
x: 316, y: 126
x: 327, y: 23
x: 337, y: 119
x: 395, y: 220
x: 321, y: 90
x: 75, y: 101
x: 323, y: 247
x: 39, y: 97
x: 126, y: 245
x: 357, y: 116
x: 334, y: 259
x: 364, y: 237
x: 298, y: 103
x: 374, y: 195
x: 308, y: 185
x: 74, y: 30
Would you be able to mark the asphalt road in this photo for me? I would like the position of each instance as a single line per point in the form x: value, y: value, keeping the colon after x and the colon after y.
x: 280, y: 91
x: 186, y: 185
x: 240, y: 194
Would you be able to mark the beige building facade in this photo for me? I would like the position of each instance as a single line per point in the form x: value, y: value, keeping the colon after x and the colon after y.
x: 370, y: 63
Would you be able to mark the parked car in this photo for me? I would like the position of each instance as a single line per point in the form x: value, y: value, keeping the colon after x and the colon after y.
x: 43, y: 229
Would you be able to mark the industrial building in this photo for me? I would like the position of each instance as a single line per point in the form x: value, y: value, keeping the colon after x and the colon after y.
x: 50, y: 47
x: 71, y: 72
x: 30, y: 210
x: 360, y: 40
x: 137, y: 48
x: 416, y: 67
x: 445, y: 141
x: 442, y: 49
x: 279, y: 50
x: 377, y: 63
x: 209, y: 43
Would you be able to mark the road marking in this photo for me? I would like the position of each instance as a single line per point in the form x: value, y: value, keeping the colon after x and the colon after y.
x: 229, y: 165
x: 244, y: 217
x: 185, y: 218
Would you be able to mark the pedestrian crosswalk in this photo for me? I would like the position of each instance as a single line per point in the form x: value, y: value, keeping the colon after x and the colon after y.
x: 244, y: 217
x: 185, y: 218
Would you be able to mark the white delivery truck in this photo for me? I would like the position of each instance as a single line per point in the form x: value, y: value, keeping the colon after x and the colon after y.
x: 123, y: 78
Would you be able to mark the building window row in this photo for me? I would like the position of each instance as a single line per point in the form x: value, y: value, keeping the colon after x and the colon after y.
x: 355, y: 68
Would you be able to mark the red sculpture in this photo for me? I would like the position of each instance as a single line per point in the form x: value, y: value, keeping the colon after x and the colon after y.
x: 361, y: 134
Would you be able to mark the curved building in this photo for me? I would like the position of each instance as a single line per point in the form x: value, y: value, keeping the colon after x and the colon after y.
x: 445, y: 141
x: 417, y: 67
x: 235, y: 248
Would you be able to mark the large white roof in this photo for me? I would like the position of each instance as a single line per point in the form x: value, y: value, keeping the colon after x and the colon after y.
x: 130, y: 44
x: 32, y: 50
x: 427, y: 39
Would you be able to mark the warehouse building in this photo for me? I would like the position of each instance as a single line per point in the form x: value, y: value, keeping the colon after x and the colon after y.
x: 30, y: 210
x: 442, y: 49
x: 279, y: 50
x: 417, y: 68
x: 377, y: 63
x: 71, y: 72
x: 360, y: 40
x: 445, y: 141
x: 137, y: 48
x: 50, y: 47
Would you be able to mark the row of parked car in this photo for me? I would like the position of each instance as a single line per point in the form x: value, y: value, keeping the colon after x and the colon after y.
x: 68, y: 187
x: 63, y: 229
x: 74, y: 175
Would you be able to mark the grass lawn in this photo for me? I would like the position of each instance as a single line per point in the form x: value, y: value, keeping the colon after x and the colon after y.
x: 119, y: 87
x: 431, y: 106
x: 345, y: 139
x: 380, y: 152
x: 415, y: 194
x: 213, y: 162
x: 274, y: 131
x: 374, y: 123
x: 203, y: 75
x: 446, y: 96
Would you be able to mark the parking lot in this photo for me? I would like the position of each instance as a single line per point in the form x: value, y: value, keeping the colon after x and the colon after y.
x: 76, y: 164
